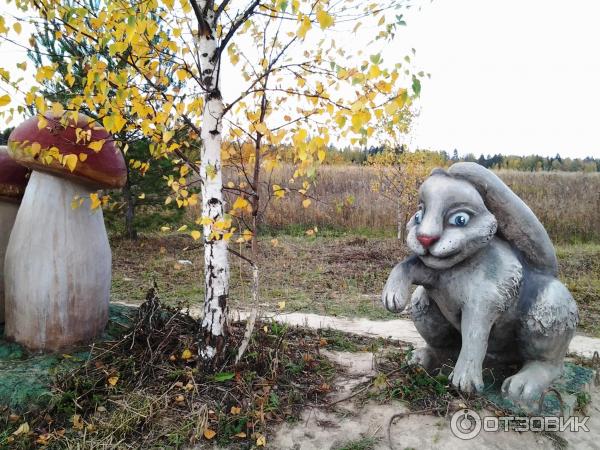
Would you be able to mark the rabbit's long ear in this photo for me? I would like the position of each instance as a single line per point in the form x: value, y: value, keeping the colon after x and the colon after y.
x: 516, y: 222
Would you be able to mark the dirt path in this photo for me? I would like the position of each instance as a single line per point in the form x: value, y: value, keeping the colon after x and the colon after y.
x: 367, y: 424
x: 399, y: 329
x: 352, y: 425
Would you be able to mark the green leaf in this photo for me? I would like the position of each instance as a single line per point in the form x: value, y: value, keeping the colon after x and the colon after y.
x: 376, y: 59
x: 416, y: 86
x: 223, y: 376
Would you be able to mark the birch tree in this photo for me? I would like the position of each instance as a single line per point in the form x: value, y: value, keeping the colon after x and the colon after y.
x: 302, y: 82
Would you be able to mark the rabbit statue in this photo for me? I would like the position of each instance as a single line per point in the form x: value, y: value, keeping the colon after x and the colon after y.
x: 487, y: 287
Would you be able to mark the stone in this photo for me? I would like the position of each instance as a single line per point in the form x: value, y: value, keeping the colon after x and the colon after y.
x: 487, y: 288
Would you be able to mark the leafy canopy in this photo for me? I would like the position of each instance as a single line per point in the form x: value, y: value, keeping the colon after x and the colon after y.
x: 300, y: 80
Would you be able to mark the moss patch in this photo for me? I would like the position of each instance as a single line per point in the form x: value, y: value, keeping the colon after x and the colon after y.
x: 25, y: 378
x: 572, y: 386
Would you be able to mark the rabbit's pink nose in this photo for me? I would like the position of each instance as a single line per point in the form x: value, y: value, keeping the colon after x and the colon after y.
x: 427, y: 241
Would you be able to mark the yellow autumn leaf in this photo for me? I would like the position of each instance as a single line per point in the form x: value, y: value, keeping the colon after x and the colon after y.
x: 278, y: 191
x: 44, y: 73
x: 240, y: 203
x: 306, y: 202
x: 4, y: 100
x: 82, y: 157
x: 182, y: 228
x: 77, y: 422
x: 241, y: 434
x: 23, y: 429
x: 113, y: 380
x: 182, y: 74
x: 304, y: 27
x: 165, y: 229
x: 281, y: 305
x: 96, y: 145
x: 42, y: 122
x: 186, y: 354
x: 261, y: 441
x: 167, y: 135
x: 70, y: 161
x: 235, y: 410
x: 209, y: 434
x: 195, y: 235
x: 324, y: 18
x: 17, y: 27
x: 95, y: 201
x: 261, y: 128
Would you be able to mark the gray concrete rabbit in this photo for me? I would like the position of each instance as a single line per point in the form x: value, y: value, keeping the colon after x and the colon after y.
x: 487, y: 287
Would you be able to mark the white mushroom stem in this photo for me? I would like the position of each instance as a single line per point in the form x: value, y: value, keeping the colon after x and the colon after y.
x: 8, y: 212
x: 58, y: 267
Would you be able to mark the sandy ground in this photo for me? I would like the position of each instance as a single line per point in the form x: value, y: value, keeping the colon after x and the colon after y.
x: 321, y: 429
x: 403, y: 330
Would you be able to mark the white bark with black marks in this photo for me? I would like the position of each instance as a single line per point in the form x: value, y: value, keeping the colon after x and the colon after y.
x: 216, y: 264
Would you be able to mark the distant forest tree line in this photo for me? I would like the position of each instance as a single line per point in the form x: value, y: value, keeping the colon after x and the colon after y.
x: 530, y: 163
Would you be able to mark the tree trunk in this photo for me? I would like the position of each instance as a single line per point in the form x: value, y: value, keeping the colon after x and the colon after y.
x: 216, y: 264
x: 399, y: 218
x: 130, y: 231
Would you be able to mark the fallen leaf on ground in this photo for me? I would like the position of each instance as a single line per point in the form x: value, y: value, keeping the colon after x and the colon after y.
x: 77, y: 422
x: 23, y: 429
x: 209, y: 434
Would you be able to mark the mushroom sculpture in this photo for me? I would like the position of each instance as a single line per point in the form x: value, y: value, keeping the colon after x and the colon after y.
x: 58, y: 261
x: 13, y: 179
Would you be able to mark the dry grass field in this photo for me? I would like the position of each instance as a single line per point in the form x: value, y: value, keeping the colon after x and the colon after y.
x: 342, y: 275
x: 567, y: 203
x: 341, y: 269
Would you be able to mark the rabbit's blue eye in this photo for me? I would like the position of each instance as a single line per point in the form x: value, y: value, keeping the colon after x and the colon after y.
x: 418, y: 217
x: 459, y: 219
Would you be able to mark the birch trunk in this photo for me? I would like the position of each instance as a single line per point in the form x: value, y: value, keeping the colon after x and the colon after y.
x: 216, y: 264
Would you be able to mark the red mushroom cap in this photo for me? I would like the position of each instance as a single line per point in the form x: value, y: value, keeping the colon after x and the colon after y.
x: 13, y: 177
x: 81, y: 149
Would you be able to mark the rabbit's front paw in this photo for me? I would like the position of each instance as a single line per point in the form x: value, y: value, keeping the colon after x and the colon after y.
x: 392, y: 297
x: 466, y: 376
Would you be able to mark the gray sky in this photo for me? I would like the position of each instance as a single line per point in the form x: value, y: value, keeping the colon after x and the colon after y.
x: 511, y: 76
